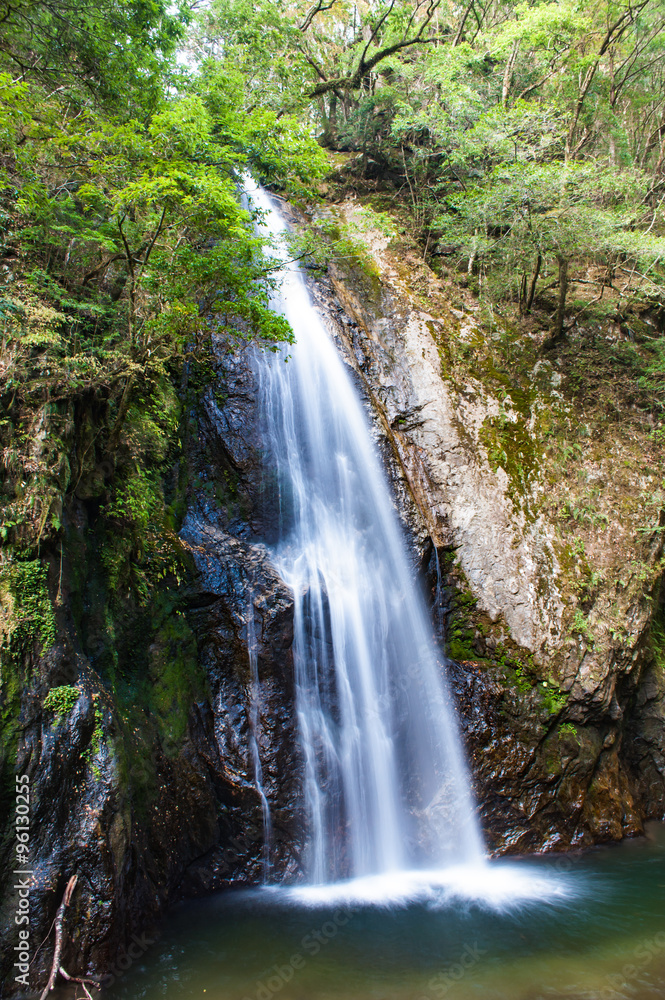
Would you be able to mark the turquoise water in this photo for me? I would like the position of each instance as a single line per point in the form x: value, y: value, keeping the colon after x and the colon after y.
x: 592, y: 927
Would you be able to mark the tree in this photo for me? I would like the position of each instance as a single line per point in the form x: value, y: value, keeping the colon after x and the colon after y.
x: 117, y: 51
x: 125, y: 244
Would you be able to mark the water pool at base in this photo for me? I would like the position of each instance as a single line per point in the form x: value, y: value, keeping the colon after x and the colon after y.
x: 586, y: 927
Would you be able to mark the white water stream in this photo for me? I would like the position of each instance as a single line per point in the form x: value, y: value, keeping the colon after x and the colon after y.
x: 386, y: 787
x: 254, y: 733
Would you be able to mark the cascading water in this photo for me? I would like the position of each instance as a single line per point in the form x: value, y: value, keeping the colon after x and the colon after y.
x: 385, y: 786
x: 254, y: 724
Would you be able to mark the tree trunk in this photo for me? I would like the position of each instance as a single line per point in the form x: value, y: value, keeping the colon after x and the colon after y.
x: 123, y: 408
x: 534, y: 281
x: 557, y: 330
x: 329, y: 122
x: 522, y: 294
x: 460, y: 31
x: 508, y: 74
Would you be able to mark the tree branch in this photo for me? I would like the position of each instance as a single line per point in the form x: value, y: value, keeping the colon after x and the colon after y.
x: 365, y: 65
x: 374, y: 33
x: 508, y: 73
x: 59, y: 920
x: 460, y: 30
x: 155, y: 237
x: 613, y: 34
x: 313, y: 11
x: 102, y: 267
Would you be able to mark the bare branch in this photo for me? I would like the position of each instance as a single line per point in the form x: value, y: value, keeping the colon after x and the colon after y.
x: 317, y: 8
x: 57, y: 951
x: 613, y: 34
x: 508, y: 73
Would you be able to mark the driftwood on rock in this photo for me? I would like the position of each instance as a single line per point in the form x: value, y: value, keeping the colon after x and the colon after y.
x: 57, y: 951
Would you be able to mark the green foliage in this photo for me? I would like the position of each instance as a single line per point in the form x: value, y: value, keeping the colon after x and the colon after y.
x: 524, y: 212
x: 584, y: 511
x: 156, y: 220
x: 580, y: 626
x: 568, y: 729
x: 27, y: 614
x: 95, y: 745
x: 654, y: 378
x: 129, y: 249
x: 521, y: 136
x: 553, y: 699
x: 61, y: 700
x: 118, y: 50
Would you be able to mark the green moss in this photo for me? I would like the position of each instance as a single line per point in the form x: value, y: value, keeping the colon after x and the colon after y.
x: 347, y: 249
x: 567, y: 731
x: 522, y: 680
x: 460, y: 645
x: 511, y: 447
x: 461, y: 631
x: 27, y: 611
x: 139, y: 549
x: 95, y: 745
x: 61, y: 700
x: 152, y: 423
x: 658, y: 638
x: 466, y: 623
x: 177, y: 679
x: 10, y: 729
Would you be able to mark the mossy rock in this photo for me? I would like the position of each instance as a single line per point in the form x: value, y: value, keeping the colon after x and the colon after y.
x: 177, y: 679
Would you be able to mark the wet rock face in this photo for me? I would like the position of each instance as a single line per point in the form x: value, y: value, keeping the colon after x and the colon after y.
x: 565, y: 739
x: 241, y: 604
x: 149, y: 797
x: 540, y: 785
x: 84, y: 823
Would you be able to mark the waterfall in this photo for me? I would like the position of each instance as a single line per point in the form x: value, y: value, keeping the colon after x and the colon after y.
x: 386, y: 789
x: 254, y: 724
